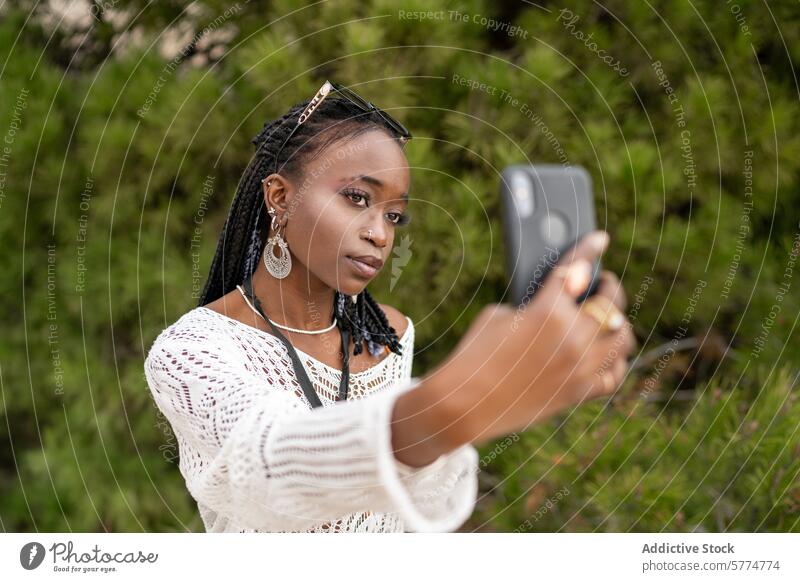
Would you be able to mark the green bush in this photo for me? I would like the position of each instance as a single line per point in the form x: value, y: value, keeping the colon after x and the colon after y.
x: 727, y: 461
x: 112, y: 172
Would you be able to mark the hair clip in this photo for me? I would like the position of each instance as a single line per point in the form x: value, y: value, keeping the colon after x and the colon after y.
x: 321, y: 94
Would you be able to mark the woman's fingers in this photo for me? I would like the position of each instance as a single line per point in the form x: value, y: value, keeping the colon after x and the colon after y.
x: 589, y: 247
x: 623, y: 339
x: 607, y: 378
x: 616, y: 374
x: 610, y: 287
x: 572, y: 274
x: 571, y: 278
x: 612, y: 347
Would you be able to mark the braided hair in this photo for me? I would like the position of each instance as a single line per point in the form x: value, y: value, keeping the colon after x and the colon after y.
x: 247, y: 225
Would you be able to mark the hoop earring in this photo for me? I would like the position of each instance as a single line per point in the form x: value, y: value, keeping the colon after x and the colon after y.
x: 280, y: 266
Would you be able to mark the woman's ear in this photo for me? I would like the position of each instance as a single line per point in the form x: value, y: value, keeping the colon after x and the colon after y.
x: 277, y: 194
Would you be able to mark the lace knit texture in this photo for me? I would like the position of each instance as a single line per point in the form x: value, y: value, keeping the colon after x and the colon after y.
x: 256, y: 456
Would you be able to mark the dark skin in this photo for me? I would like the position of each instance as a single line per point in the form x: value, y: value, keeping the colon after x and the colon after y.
x: 324, y: 218
x: 512, y: 368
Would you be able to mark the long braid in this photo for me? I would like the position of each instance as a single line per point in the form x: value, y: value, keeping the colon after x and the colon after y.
x: 378, y: 326
x: 247, y: 226
x: 240, y: 225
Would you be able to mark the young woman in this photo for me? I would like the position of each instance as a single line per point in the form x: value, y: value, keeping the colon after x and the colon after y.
x: 289, y: 388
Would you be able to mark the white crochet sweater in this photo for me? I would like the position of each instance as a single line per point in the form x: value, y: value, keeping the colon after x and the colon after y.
x: 257, y: 457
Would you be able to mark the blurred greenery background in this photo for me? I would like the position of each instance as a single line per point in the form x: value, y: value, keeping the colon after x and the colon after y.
x: 127, y: 124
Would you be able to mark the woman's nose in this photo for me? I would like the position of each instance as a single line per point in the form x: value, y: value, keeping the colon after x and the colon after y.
x: 375, y: 233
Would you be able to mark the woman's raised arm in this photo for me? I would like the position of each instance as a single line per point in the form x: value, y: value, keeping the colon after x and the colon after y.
x: 517, y: 366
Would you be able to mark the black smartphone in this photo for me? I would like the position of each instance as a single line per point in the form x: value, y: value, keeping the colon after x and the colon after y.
x: 546, y: 209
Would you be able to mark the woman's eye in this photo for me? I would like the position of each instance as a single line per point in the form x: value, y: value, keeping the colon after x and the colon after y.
x: 355, y: 195
x: 396, y: 218
x: 399, y: 219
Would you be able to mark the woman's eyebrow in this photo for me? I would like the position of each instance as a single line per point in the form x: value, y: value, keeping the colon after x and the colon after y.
x: 374, y: 181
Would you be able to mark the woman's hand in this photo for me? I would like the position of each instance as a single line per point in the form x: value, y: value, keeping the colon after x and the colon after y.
x: 519, y: 365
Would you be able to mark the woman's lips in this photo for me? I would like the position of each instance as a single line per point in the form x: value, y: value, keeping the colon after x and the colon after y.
x: 363, y: 268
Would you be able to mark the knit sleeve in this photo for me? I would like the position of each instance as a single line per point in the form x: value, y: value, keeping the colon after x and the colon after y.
x: 258, y: 455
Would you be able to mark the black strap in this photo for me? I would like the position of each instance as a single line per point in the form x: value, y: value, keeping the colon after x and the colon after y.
x: 299, y: 369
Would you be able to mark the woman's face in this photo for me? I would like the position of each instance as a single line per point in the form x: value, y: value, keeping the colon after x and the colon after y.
x: 352, y: 187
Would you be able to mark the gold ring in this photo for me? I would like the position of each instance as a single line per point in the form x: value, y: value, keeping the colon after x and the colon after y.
x: 609, y: 317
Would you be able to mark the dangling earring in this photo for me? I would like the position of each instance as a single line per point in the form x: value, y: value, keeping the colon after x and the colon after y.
x: 278, y: 267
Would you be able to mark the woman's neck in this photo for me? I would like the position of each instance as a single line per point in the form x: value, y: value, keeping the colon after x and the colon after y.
x: 300, y: 300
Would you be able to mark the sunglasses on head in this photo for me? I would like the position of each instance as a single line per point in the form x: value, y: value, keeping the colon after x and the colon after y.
x: 342, y: 92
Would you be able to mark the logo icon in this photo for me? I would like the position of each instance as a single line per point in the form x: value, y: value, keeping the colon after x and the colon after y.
x: 31, y: 555
x: 402, y: 256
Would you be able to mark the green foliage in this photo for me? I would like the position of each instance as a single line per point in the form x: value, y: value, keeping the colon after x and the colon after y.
x: 117, y: 145
x: 725, y: 462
